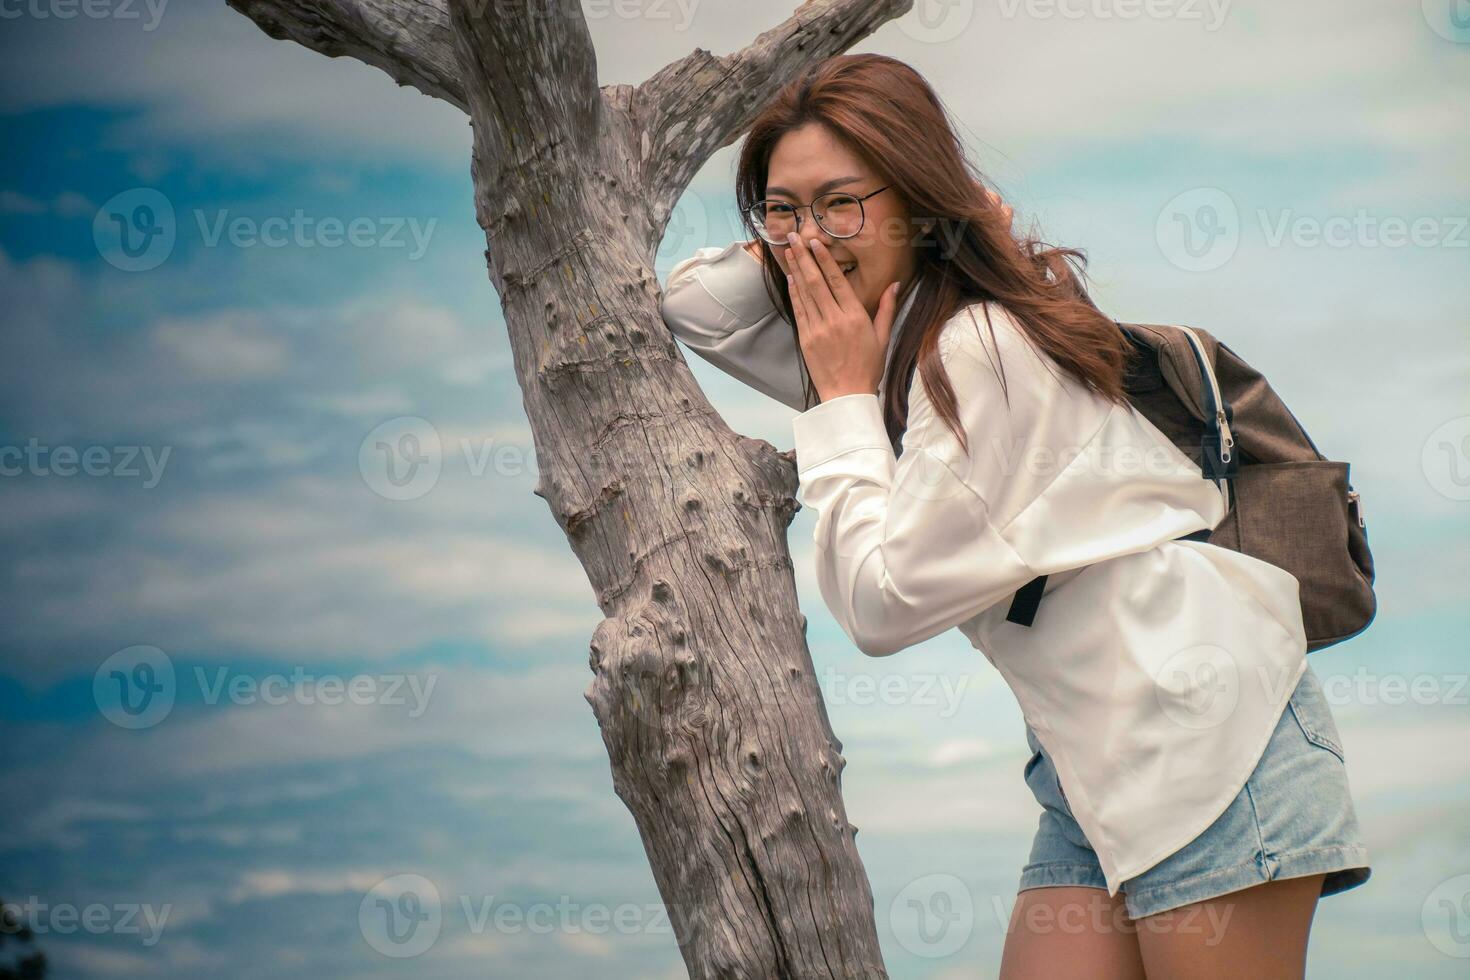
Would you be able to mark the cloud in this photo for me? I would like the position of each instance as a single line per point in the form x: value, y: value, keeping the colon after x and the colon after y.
x: 276, y: 882
x: 522, y: 715
x: 314, y: 568
x: 14, y: 203
x: 64, y: 375
x: 208, y: 83
x: 255, y: 527
x: 68, y: 204
x: 228, y: 346
x: 1013, y: 76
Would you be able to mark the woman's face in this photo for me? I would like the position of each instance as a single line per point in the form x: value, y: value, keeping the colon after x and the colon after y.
x: 809, y: 162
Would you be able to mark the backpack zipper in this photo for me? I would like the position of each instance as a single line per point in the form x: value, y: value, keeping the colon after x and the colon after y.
x: 1357, y: 501
x: 1227, y: 441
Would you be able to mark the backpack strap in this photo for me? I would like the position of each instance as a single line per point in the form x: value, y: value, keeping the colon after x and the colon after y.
x: 1220, y: 463
x: 1218, y: 445
x: 1028, y: 597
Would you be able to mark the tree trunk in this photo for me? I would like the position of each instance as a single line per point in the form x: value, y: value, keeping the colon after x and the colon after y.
x: 703, y: 685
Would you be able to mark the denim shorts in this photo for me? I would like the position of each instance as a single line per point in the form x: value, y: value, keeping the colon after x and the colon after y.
x: 1294, y: 816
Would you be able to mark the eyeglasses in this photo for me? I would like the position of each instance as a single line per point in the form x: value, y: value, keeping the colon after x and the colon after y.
x: 838, y: 213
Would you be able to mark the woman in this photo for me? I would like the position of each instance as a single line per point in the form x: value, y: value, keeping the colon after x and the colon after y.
x: 1182, y: 752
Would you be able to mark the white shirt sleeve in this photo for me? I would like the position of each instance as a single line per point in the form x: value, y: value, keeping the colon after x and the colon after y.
x: 905, y: 546
x: 716, y: 303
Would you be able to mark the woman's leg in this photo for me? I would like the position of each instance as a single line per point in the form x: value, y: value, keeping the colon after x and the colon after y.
x: 1258, y: 932
x: 1070, y: 931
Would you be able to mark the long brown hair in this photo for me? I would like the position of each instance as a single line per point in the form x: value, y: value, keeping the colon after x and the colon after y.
x: 885, y: 112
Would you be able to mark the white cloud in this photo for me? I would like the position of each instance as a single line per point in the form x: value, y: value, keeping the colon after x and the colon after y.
x: 209, y: 83
x: 261, y: 532
x: 12, y: 202
x: 225, y: 346
x: 313, y: 568
x: 956, y: 751
x: 1358, y: 74
x: 60, y: 822
x: 487, y: 714
x: 275, y: 882
x: 68, y: 204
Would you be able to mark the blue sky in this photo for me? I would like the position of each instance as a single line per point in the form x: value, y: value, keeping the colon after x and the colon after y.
x: 233, y: 536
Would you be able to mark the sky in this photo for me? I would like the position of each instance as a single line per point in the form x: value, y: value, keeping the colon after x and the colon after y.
x: 236, y: 273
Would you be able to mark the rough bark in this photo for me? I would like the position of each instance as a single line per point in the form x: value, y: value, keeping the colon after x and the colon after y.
x: 703, y: 685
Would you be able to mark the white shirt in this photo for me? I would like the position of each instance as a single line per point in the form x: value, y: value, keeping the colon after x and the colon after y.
x: 1155, y: 670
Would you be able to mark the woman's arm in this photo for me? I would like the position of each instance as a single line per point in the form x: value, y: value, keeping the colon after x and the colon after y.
x: 908, y: 547
x: 716, y: 303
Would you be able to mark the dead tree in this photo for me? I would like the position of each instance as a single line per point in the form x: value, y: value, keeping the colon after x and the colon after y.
x: 702, y: 684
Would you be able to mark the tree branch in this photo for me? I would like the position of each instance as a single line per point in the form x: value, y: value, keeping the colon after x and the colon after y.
x: 532, y: 70
x: 702, y: 102
x: 411, y: 40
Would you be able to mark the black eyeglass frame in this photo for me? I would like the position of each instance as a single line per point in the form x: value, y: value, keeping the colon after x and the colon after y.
x: 759, y: 223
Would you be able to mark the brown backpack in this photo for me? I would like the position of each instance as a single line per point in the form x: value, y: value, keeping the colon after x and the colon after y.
x: 1288, y: 504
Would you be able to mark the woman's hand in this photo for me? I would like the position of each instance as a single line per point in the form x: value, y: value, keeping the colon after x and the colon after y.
x: 845, y: 349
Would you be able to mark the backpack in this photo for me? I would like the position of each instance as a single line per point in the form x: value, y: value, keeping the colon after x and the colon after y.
x: 1287, y: 504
